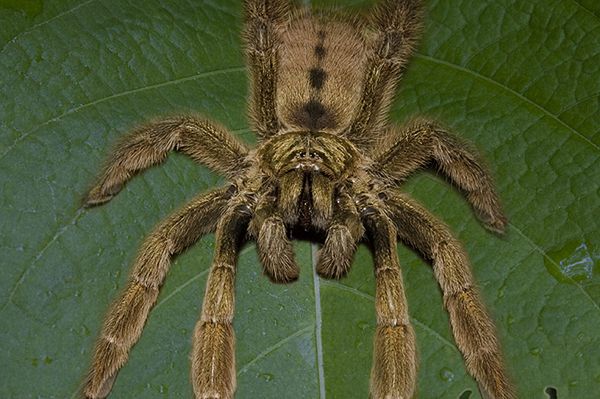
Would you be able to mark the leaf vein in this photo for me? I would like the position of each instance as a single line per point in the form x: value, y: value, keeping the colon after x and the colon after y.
x: 274, y: 347
x: 118, y: 95
x: 545, y: 255
x: 369, y: 297
x: 591, y: 12
x: 183, y: 286
x: 511, y: 91
x: 46, y: 22
x: 318, y: 322
x: 59, y: 232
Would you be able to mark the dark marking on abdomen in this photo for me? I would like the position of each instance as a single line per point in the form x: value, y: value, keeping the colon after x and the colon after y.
x: 317, y: 77
x: 320, y: 52
x: 314, y: 116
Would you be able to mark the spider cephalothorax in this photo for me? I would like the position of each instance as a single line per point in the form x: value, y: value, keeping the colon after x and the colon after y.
x: 328, y: 166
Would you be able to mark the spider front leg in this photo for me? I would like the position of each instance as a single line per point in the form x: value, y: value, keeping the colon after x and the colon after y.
x: 149, y: 145
x: 394, y: 371
x: 424, y: 141
x: 472, y: 327
x: 125, y: 321
x: 213, y: 353
x: 335, y: 258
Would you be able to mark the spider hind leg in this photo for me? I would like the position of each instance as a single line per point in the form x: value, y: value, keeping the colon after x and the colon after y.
x: 394, y: 355
x: 472, y: 327
x: 213, y: 355
x: 124, y: 322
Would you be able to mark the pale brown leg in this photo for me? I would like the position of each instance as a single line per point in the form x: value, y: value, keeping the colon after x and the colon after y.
x: 473, y: 329
x: 125, y: 321
x: 264, y: 20
x: 396, y: 24
x: 202, y: 140
x: 213, y: 353
x: 394, y: 371
x: 424, y: 141
x: 335, y: 258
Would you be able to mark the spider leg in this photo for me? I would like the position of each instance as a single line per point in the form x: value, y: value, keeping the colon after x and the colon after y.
x: 273, y: 246
x: 394, y: 359
x: 213, y: 354
x: 125, y: 321
x: 264, y: 20
x: 396, y: 24
x: 344, y: 232
x: 425, y: 141
x: 472, y: 327
x: 149, y: 145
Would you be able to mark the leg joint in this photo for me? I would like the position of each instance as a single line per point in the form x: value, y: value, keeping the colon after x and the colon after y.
x: 224, y: 266
x: 113, y: 341
x: 394, y: 323
x: 459, y: 293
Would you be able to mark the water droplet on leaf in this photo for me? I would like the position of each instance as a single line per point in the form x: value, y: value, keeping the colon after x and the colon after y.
x: 466, y: 394
x: 363, y: 325
x: 571, y: 264
x: 266, y: 376
x: 446, y: 374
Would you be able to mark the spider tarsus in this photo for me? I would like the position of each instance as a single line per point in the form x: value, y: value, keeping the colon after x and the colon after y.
x: 99, y: 386
x: 213, y: 366
x: 93, y: 202
x: 489, y: 362
x: 100, y: 195
x: 284, y: 278
x: 496, y: 224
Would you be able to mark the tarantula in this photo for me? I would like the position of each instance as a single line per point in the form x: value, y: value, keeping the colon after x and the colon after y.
x: 328, y: 165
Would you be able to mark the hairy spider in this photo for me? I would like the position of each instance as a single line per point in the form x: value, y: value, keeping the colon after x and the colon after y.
x: 328, y: 165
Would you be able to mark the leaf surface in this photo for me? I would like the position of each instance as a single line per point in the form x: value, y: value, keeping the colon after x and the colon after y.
x: 520, y: 79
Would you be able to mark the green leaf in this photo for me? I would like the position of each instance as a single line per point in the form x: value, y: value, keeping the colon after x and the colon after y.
x: 519, y: 78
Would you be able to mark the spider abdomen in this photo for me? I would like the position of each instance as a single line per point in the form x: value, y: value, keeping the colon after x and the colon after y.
x: 320, y: 65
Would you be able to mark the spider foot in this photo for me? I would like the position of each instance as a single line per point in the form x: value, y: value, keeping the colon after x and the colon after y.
x: 213, y: 364
x: 495, y: 222
x: 100, y: 194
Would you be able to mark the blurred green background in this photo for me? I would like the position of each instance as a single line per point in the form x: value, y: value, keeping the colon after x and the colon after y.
x: 518, y: 78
